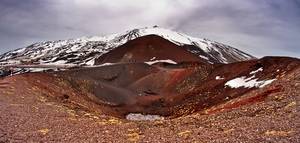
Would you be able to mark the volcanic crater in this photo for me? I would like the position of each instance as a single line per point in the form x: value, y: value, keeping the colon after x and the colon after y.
x: 129, y: 84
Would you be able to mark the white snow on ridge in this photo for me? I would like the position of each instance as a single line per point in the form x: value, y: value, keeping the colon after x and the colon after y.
x: 161, y: 61
x: 177, y: 38
x: 20, y: 50
x: 248, y: 82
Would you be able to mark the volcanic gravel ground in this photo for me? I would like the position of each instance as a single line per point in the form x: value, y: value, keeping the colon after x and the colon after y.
x: 28, y: 116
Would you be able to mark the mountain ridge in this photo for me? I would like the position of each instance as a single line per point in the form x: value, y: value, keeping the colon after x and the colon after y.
x: 83, y: 51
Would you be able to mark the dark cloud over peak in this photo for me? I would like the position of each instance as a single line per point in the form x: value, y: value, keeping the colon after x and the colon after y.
x: 260, y: 27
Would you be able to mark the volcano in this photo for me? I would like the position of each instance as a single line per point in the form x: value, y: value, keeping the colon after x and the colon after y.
x: 147, y: 80
x: 84, y: 51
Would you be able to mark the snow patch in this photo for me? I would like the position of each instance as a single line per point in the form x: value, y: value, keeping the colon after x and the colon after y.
x: 141, y: 117
x: 219, y: 78
x: 59, y: 62
x: 248, y: 82
x: 153, y: 58
x: 203, y: 57
x: 91, y: 62
x: 39, y: 69
x: 256, y: 71
x: 161, y: 61
x: 106, y: 64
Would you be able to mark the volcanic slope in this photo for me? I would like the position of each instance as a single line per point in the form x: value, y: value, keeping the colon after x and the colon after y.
x: 146, y: 49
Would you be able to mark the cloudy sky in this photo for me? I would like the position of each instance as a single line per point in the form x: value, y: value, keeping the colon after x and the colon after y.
x: 259, y: 27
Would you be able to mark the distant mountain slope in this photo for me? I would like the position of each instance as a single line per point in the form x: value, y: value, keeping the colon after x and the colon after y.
x: 150, y: 49
x: 84, y: 51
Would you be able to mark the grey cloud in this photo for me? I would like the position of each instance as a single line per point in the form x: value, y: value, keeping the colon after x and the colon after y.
x: 253, y: 26
x: 260, y: 27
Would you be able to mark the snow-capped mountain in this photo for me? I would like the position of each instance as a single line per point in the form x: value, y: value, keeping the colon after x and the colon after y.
x: 85, y: 50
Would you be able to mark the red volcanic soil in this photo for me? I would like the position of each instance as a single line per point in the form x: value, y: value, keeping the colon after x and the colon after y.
x: 90, y: 104
x: 146, y: 48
